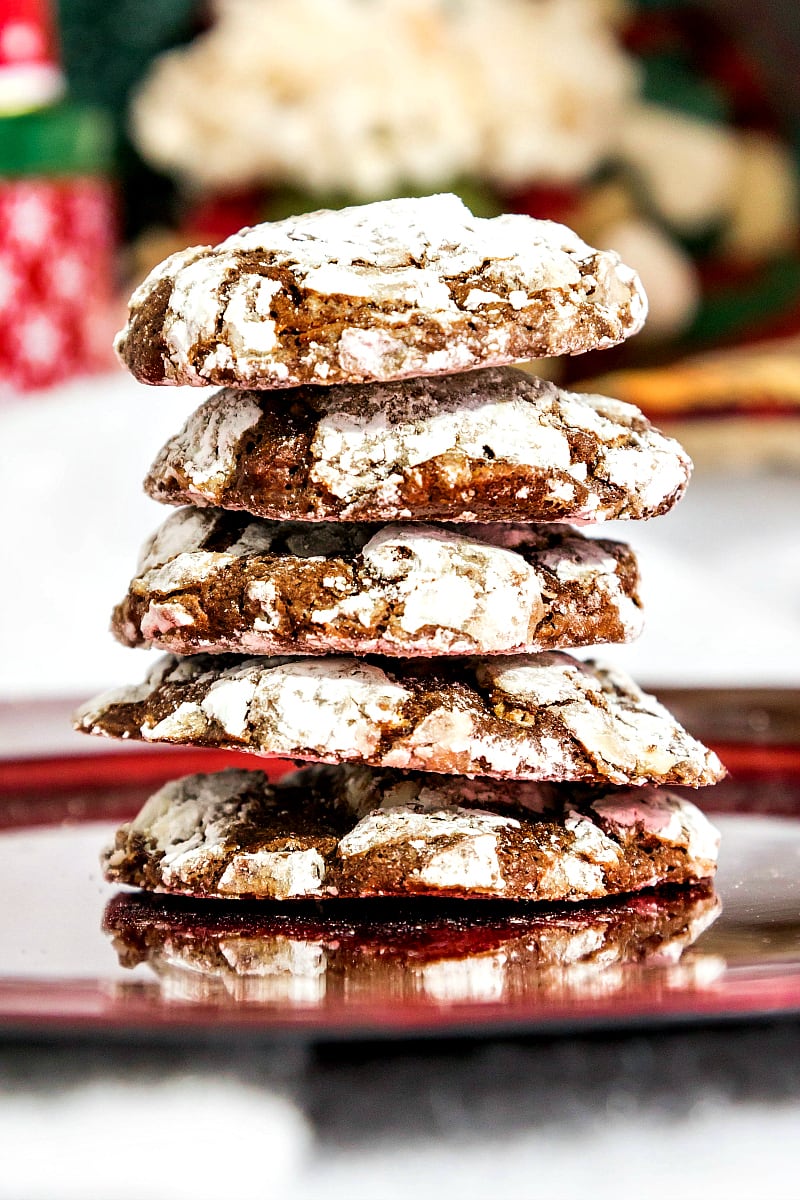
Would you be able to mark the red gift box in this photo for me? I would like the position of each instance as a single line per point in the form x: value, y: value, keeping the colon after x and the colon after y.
x: 56, y: 271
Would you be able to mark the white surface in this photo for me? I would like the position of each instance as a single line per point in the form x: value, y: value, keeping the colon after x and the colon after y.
x: 168, y: 1120
x: 721, y: 572
x: 71, y: 464
x: 187, y: 1127
x: 616, y: 1154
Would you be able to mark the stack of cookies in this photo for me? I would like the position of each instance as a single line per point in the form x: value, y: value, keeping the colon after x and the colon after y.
x: 369, y: 571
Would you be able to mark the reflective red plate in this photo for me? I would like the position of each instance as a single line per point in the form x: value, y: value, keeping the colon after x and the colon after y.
x: 77, y: 955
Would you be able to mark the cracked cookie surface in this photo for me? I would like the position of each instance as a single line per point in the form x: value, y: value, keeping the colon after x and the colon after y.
x: 491, y: 445
x: 210, y: 580
x: 351, y: 832
x: 389, y: 290
x: 544, y: 716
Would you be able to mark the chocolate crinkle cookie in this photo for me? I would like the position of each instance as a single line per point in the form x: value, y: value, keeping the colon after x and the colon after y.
x: 383, y: 291
x: 210, y: 580
x: 351, y: 832
x: 544, y: 716
x: 492, y: 445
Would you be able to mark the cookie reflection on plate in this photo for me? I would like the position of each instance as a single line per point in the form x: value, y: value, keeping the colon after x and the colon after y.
x: 367, y: 952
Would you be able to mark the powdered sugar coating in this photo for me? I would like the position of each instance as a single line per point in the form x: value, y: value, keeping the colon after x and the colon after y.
x: 659, y: 814
x: 188, y: 827
x: 214, y: 453
x: 491, y: 445
x: 347, y: 448
x: 235, y: 834
x: 461, y: 844
x: 398, y: 589
x: 281, y: 874
x: 544, y: 716
x: 381, y: 291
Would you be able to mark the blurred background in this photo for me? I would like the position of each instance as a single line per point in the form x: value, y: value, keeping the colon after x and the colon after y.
x: 665, y: 129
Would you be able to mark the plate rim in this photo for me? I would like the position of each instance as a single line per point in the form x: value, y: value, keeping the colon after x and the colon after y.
x: 33, y: 791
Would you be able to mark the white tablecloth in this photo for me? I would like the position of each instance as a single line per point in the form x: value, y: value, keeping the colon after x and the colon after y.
x: 700, y: 1115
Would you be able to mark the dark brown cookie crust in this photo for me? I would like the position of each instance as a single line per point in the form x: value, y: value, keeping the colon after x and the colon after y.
x: 348, y: 832
x: 316, y: 589
x: 285, y: 461
x: 544, y: 716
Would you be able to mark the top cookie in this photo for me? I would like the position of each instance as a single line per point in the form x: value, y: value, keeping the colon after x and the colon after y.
x: 374, y: 293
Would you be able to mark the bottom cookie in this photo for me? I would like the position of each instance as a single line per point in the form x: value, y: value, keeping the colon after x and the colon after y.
x: 390, y: 952
x: 349, y: 831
